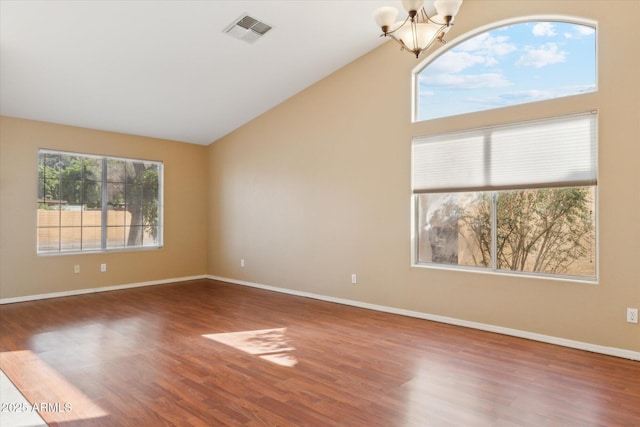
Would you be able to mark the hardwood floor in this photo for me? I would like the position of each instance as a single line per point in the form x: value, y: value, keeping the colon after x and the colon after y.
x: 207, y: 353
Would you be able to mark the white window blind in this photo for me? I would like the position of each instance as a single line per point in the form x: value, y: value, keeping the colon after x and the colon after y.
x: 556, y: 152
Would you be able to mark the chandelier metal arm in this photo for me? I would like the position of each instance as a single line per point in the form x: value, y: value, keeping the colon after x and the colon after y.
x: 402, y: 45
x: 424, y: 17
x: 388, y: 33
x: 420, y: 16
x: 419, y: 30
x: 416, y: 52
x: 414, y: 35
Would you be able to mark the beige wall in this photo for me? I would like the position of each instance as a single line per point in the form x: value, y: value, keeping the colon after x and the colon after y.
x: 23, y: 273
x: 319, y: 188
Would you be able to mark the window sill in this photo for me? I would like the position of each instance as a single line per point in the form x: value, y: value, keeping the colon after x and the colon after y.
x: 526, y: 275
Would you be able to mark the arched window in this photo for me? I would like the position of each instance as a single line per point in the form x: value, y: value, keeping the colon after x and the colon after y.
x: 507, y: 65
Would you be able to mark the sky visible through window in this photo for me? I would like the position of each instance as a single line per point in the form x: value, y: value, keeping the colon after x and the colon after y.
x: 510, y: 65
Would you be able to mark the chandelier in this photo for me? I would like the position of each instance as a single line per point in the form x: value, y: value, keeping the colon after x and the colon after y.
x: 424, y: 24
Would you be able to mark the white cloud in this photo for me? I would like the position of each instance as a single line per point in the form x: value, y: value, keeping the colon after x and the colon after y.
x: 524, y: 96
x: 491, y: 61
x: 532, y: 95
x: 487, y: 45
x: 454, y: 62
x: 502, y: 99
x: 484, y: 49
x: 544, y: 29
x: 468, y: 81
x: 580, y: 31
x: 585, y: 30
x: 485, y: 102
x: 426, y: 93
x: 541, y: 56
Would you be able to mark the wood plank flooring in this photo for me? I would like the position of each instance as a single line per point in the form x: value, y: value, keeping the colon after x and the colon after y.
x: 207, y: 353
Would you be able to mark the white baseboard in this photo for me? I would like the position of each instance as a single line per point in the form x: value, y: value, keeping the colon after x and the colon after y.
x: 96, y: 290
x: 610, y: 351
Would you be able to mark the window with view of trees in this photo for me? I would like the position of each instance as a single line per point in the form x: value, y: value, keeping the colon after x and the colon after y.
x: 518, y: 197
x: 92, y: 203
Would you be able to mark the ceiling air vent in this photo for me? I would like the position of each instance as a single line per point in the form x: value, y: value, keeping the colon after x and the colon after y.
x: 247, y: 28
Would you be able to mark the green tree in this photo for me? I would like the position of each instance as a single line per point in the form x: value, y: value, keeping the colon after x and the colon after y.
x: 476, y: 217
x: 134, y: 186
x: 77, y: 180
x: 142, y: 201
x: 71, y: 180
x: 48, y: 183
x: 543, y: 230
x: 80, y: 181
x: 540, y: 230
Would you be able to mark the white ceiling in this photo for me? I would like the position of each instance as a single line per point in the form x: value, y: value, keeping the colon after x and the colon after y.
x: 166, y: 69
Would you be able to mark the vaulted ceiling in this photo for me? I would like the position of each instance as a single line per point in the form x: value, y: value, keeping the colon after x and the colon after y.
x: 167, y: 69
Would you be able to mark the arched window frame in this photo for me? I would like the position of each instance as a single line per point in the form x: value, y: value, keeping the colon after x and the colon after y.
x: 415, y: 89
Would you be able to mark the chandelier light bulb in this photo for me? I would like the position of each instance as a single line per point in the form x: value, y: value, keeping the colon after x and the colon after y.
x: 412, y: 5
x: 423, y: 25
x: 447, y: 7
x: 385, y: 17
x: 425, y: 34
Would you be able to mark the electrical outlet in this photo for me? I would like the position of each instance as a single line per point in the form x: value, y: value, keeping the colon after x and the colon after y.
x: 76, y: 268
x: 103, y: 267
x: 632, y: 315
x: 354, y: 278
x: 242, y: 263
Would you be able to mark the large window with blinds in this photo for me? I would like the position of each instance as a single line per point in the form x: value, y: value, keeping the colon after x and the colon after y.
x: 517, y: 198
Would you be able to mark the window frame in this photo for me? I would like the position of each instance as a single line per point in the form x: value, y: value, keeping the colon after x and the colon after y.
x: 415, y: 85
x: 104, y: 206
x: 494, y: 192
x: 493, y: 268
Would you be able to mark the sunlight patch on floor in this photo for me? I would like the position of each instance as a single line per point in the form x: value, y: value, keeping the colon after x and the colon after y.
x: 268, y: 344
